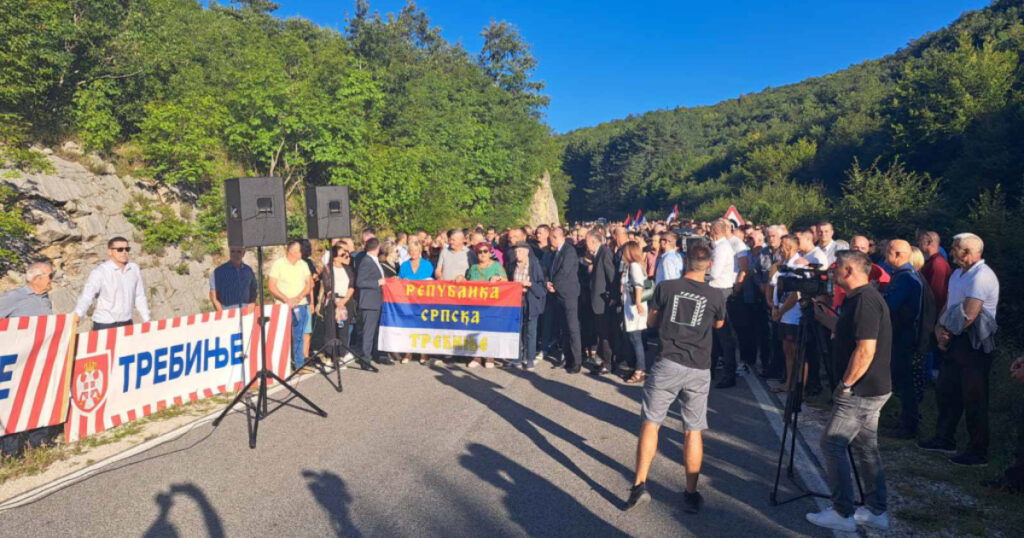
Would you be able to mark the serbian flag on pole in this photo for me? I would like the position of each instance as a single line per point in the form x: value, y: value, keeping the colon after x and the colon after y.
x: 35, y: 365
x: 639, y: 220
x: 472, y: 319
x: 673, y: 215
x: 628, y: 221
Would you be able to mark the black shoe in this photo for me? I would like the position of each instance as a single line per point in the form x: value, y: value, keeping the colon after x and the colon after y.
x: 692, y: 502
x: 385, y: 360
x: 638, y: 496
x: 575, y: 370
x: 601, y: 370
x: 937, y: 445
x: 969, y: 460
x: 726, y: 383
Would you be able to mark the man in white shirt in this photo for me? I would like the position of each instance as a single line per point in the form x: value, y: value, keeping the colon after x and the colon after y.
x: 815, y: 357
x: 810, y: 252
x: 723, y: 277
x: 117, y: 287
x: 453, y: 262
x: 964, y: 372
x: 824, y: 233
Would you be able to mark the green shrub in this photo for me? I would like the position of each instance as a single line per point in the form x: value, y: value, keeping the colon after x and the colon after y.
x: 14, y: 231
x: 159, y: 225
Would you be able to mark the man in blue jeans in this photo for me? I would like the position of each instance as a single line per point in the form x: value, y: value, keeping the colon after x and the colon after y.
x: 863, y: 345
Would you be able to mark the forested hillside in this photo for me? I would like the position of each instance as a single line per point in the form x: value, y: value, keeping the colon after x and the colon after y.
x: 426, y: 133
x: 909, y: 140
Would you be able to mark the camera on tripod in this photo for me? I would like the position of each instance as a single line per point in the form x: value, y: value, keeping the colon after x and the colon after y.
x: 810, y: 281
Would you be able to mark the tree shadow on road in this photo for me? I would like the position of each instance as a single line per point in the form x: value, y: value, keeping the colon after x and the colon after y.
x: 165, y: 501
x: 331, y: 492
x: 531, y: 423
x: 535, y: 504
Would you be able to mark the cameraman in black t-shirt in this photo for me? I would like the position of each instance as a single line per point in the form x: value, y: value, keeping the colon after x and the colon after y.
x: 862, y: 344
x: 685, y: 310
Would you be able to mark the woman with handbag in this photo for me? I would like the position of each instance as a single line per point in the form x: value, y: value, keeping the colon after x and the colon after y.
x: 634, y: 307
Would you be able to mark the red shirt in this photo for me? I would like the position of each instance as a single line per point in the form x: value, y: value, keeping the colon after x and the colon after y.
x: 877, y: 276
x: 936, y: 271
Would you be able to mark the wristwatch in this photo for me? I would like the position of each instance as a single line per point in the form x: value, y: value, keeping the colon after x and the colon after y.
x: 846, y: 388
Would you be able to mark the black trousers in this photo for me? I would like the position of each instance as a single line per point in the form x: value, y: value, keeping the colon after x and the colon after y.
x: 963, y: 390
x: 903, y: 378
x: 606, y: 329
x: 724, y: 341
x: 777, y: 360
x: 97, y: 326
x: 567, y: 315
x: 369, y: 322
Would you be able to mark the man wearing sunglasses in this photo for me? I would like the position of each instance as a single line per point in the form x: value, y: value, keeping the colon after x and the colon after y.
x: 117, y: 287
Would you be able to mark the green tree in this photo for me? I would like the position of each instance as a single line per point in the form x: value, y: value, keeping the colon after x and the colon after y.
x: 507, y: 60
x: 180, y: 139
x: 893, y: 202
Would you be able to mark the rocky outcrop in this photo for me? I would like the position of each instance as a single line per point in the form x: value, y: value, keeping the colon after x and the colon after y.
x: 543, y: 207
x: 75, y: 210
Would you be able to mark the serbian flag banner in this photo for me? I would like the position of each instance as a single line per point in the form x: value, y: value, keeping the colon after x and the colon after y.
x: 35, y: 362
x: 472, y: 319
x: 126, y: 373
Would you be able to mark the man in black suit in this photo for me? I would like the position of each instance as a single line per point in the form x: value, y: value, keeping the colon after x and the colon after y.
x: 603, y: 297
x: 369, y: 280
x: 565, y: 285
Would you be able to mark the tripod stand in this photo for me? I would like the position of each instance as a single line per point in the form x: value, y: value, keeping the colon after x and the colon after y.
x: 259, y: 407
x: 806, y: 330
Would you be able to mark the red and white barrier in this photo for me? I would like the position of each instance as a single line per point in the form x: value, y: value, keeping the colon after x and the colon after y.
x: 127, y: 373
x: 35, y: 359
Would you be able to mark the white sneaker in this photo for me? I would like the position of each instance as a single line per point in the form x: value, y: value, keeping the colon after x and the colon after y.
x: 830, y: 519
x: 865, y: 517
x: 348, y: 356
x: 539, y: 357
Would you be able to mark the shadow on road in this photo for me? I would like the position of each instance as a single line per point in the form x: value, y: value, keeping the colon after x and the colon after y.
x: 165, y: 501
x: 534, y: 503
x: 331, y: 492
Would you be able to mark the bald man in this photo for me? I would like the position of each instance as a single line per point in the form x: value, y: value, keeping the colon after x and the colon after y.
x: 904, y: 296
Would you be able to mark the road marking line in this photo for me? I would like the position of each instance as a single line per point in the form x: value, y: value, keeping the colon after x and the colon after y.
x: 808, y: 472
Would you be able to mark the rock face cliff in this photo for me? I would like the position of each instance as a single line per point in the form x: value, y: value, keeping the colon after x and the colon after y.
x: 75, y: 211
x: 543, y: 207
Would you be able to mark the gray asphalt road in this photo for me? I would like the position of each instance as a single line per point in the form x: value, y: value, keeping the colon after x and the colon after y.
x: 427, y: 451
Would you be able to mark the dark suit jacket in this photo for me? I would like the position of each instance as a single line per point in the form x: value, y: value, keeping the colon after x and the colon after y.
x: 603, y: 287
x: 537, y: 293
x: 564, y: 273
x: 367, y: 275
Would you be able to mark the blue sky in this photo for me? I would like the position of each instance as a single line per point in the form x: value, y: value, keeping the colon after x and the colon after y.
x: 603, y: 60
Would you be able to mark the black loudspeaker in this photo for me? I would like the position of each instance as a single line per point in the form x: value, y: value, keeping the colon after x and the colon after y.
x: 255, y: 211
x: 327, y: 215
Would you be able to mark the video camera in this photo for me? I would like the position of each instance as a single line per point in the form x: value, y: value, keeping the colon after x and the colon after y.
x: 810, y: 281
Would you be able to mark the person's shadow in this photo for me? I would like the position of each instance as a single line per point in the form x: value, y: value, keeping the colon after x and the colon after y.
x: 534, y: 503
x: 331, y: 492
x: 165, y: 500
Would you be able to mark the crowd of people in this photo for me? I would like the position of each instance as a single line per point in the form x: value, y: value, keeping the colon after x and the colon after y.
x: 674, y: 306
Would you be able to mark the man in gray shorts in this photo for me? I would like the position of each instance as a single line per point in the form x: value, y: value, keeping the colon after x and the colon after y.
x: 685, y: 310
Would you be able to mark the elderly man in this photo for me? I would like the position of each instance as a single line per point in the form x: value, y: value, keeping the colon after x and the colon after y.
x: 31, y: 300
x: 904, y: 297
x: 966, y: 335
x: 770, y: 343
x: 723, y: 277
x: 118, y: 285
x: 604, y: 292
x: 290, y: 282
x: 564, y: 284
x: 454, y: 260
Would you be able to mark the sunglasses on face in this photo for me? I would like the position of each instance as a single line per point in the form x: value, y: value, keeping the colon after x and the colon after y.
x: 121, y: 249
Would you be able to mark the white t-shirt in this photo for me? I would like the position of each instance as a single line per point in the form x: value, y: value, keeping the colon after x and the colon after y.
x: 830, y: 252
x: 723, y: 265
x: 740, y: 249
x: 341, y: 283
x: 979, y: 282
x: 791, y: 316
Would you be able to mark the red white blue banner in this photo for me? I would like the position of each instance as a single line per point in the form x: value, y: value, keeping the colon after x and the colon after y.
x: 127, y: 373
x: 35, y: 362
x: 473, y: 319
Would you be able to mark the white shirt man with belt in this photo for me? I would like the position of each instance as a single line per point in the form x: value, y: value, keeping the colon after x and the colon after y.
x: 117, y: 287
x: 723, y: 277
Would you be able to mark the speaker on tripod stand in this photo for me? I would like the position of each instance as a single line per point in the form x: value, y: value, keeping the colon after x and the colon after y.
x: 328, y: 217
x: 255, y: 209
